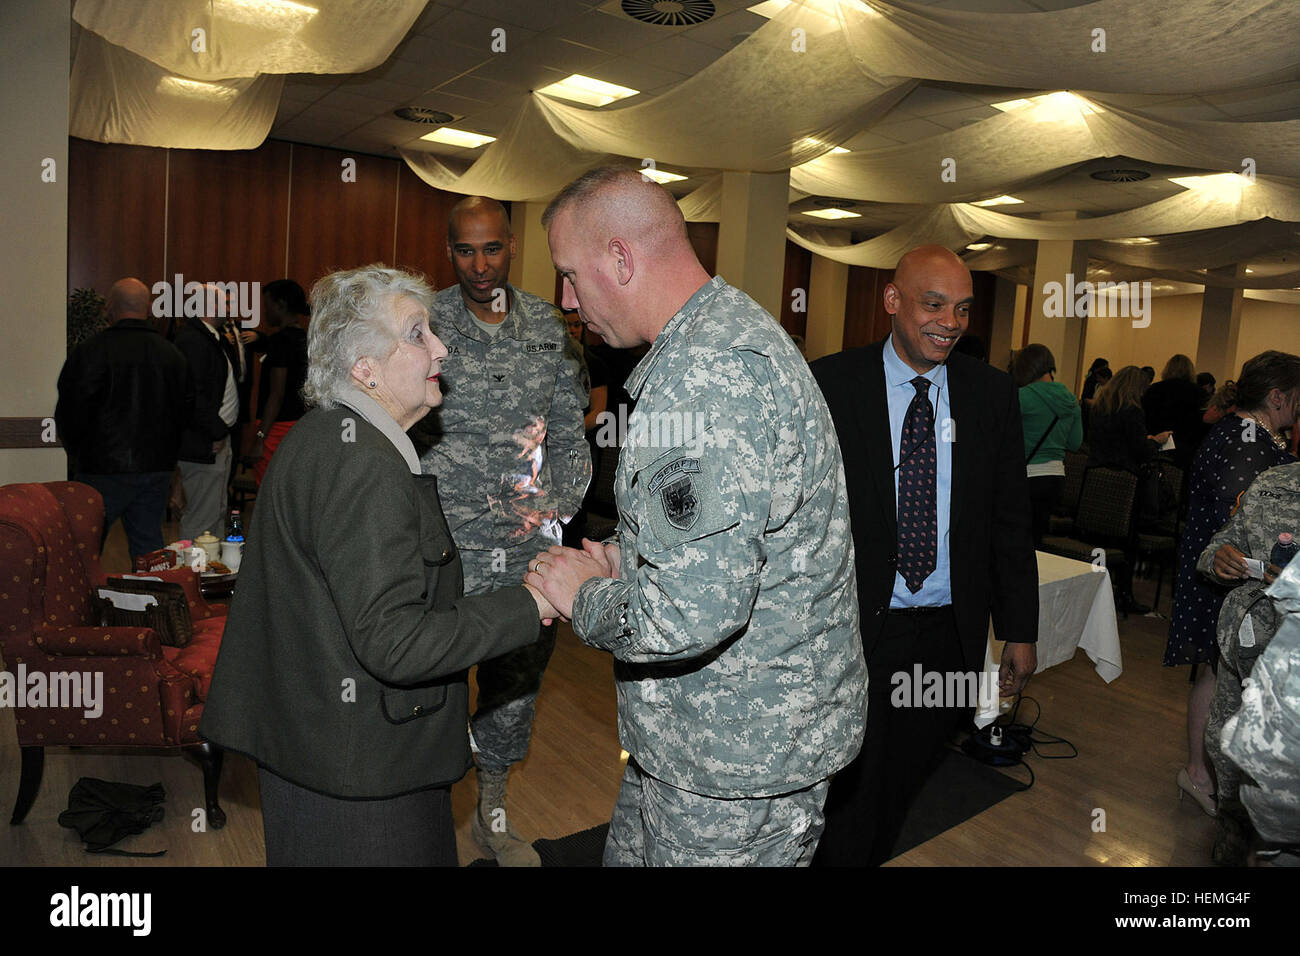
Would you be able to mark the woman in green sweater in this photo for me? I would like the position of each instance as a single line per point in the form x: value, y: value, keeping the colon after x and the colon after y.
x: 1050, y: 415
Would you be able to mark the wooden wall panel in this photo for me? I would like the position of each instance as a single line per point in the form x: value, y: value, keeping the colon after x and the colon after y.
x: 227, y: 212
x: 422, y: 214
x: 115, y: 214
x: 798, y: 275
x: 865, y: 318
x: 704, y: 238
x: 335, y: 224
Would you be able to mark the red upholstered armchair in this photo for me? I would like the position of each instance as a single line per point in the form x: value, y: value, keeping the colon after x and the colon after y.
x: 56, y: 654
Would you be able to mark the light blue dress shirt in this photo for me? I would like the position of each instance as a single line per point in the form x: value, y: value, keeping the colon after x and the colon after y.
x: 937, y: 589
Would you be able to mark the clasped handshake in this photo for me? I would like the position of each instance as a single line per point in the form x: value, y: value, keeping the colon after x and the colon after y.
x: 555, y: 575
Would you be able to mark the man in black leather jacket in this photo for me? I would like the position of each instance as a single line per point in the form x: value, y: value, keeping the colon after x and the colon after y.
x: 124, y: 398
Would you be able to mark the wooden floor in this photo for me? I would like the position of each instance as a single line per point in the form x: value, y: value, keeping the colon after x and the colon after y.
x: 1130, y: 735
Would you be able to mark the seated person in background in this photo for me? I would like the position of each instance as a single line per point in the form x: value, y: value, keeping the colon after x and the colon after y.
x: 1174, y: 404
x: 1050, y: 418
x: 1248, y: 621
x: 342, y: 668
x: 1222, y: 402
x: 284, y: 370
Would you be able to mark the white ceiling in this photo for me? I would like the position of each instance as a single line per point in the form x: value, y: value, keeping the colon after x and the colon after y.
x: 446, y: 63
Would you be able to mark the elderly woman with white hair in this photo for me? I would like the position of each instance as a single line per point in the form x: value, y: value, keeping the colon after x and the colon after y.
x: 342, y: 669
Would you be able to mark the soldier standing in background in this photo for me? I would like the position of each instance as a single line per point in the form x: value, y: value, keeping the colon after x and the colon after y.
x: 1247, y: 623
x: 513, y: 464
x: 728, y: 600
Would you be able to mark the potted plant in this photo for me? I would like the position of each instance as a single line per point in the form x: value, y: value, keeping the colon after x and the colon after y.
x: 86, y: 316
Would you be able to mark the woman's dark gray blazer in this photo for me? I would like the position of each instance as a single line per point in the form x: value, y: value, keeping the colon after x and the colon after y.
x: 342, y: 668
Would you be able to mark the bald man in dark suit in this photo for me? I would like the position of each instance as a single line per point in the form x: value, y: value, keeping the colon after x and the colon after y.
x: 939, y: 503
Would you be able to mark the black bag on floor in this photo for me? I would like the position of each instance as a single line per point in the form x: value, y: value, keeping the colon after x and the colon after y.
x: 104, y: 812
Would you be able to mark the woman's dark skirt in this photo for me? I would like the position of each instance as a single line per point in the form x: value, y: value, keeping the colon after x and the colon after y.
x: 305, y: 828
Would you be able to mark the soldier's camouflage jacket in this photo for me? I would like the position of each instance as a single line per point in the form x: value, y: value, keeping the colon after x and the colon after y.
x: 734, y: 621
x: 1249, y: 621
x: 507, y: 442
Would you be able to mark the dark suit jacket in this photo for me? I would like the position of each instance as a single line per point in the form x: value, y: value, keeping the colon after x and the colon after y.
x: 350, y: 575
x: 207, y: 361
x: 994, y: 571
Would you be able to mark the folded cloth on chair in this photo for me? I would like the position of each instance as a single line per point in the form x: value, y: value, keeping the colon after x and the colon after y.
x: 104, y: 812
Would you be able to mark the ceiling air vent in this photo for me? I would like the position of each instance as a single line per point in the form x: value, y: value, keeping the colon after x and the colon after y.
x: 669, y: 13
x: 1121, y: 175
x: 420, y: 114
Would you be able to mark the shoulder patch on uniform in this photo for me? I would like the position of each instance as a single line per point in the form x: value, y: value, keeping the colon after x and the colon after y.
x: 682, y: 497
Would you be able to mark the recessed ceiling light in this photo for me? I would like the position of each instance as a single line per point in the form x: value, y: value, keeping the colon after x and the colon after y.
x: 585, y: 89
x: 1250, y: 271
x: 1054, y: 106
x: 999, y: 201
x: 1135, y: 241
x: 271, y: 14
x: 458, y: 137
x: 825, y: 8
x: 662, y: 176
x: 979, y: 246
x: 1212, y: 181
x: 832, y: 214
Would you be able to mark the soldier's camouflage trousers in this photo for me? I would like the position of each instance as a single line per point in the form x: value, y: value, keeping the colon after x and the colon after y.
x: 507, y: 685
x: 656, y: 824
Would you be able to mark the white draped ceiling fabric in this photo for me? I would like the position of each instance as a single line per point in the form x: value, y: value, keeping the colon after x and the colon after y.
x: 815, y: 75
x: 143, y: 75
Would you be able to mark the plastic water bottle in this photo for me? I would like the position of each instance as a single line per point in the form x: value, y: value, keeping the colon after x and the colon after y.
x: 235, y: 526
x: 1285, y: 549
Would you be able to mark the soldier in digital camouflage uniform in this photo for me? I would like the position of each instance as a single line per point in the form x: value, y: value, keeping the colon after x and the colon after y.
x: 1248, y: 621
x: 732, y: 609
x: 1263, y: 737
x: 508, y: 448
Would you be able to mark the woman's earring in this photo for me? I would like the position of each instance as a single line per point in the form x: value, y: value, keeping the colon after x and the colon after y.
x: 372, y: 384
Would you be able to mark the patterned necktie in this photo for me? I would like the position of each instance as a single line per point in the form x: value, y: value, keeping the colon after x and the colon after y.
x: 917, y: 524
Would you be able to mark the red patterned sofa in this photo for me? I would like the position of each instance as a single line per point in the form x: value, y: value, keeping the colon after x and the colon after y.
x: 152, y: 694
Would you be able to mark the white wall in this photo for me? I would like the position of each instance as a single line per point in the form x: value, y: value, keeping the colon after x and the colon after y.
x: 34, y: 63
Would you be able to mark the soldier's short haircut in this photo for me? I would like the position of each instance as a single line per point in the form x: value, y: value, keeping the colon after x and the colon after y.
x: 349, y: 319
x: 597, y: 180
x: 475, y: 204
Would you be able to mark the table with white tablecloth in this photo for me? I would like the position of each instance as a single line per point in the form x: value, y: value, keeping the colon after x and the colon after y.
x: 1076, y: 611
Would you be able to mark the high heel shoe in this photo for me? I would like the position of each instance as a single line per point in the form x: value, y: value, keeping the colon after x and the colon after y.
x: 1185, y: 786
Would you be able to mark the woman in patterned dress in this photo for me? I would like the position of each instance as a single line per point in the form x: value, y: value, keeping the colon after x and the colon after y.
x: 1239, y: 447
